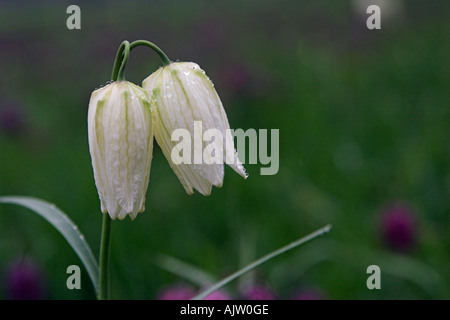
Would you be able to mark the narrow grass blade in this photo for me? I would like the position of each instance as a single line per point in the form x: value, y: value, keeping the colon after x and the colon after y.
x: 184, y: 270
x: 66, y: 228
x: 262, y: 260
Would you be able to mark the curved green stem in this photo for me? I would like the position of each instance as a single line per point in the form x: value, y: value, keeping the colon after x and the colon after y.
x: 123, y: 53
x: 126, y: 54
x: 162, y: 55
x: 120, y: 62
x: 104, y: 257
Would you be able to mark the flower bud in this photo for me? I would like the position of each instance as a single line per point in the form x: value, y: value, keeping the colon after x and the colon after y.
x: 121, y: 144
x: 185, y: 99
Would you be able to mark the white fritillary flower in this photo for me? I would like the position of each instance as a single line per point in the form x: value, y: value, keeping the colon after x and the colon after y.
x: 184, y: 98
x: 121, y: 144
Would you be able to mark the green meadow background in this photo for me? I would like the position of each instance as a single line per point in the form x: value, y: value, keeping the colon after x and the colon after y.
x: 363, y: 118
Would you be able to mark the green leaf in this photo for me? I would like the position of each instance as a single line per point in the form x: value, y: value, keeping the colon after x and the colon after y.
x: 184, y: 270
x: 262, y: 260
x: 65, y: 226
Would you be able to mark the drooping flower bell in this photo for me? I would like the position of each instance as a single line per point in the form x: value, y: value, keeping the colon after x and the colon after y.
x: 184, y: 98
x: 121, y: 144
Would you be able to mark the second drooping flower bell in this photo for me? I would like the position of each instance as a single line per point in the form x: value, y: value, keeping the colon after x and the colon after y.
x: 121, y: 143
x: 183, y: 97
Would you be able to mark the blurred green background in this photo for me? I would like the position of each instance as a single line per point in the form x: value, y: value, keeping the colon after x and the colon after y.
x: 363, y: 118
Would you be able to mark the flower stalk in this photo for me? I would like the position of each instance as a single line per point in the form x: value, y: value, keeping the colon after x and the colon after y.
x: 121, y: 60
x: 154, y: 47
x: 103, y: 293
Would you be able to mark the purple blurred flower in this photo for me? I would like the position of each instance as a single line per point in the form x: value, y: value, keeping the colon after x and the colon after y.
x: 24, y: 281
x: 308, y: 294
x: 177, y: 292
x: 258, y: 292
x: 235, y: 77
x: 11, y: 119
x: 211, y: 34
x: 217, y: 295
x: 398, y: 227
